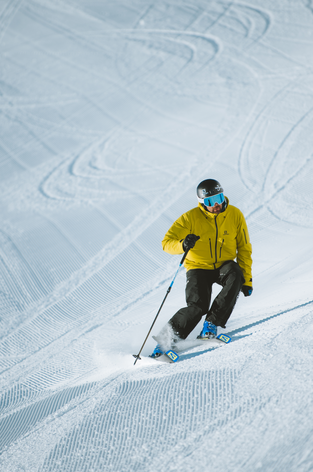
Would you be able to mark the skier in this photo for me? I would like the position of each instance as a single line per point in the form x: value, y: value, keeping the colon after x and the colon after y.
x: 214, y: 234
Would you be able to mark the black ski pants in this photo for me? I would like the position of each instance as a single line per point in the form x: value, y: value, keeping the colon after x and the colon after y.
x: 198, y: 297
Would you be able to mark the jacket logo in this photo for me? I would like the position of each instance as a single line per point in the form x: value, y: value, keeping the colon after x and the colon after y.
x: 226, y: 233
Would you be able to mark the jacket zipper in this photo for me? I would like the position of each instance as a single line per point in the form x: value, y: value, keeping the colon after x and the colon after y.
x: 211, y: 248
x: 216, y: 241
x: 221, y: 249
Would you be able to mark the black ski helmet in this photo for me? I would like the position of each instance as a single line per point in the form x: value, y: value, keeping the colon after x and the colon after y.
x: 208, y: 187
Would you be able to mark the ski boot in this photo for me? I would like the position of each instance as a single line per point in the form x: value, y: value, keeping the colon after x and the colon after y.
x: 209, y: 331
x: 157, y: 352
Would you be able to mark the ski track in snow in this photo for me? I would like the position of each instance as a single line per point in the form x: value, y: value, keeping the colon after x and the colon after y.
x: 111, y: 113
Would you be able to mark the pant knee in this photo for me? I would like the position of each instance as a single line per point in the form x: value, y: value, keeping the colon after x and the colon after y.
x: 231, y: 273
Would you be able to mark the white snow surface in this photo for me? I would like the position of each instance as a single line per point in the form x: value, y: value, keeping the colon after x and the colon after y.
x: 111, y: 113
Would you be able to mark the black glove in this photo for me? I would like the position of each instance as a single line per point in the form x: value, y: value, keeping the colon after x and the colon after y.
x: 189, y: 241
x: 246, y: 290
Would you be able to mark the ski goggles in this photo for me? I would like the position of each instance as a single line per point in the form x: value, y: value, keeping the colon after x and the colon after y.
x: 210, y: 201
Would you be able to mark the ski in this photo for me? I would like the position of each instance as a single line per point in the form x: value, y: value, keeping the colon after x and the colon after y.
x: 224, y: 337
x: 169, y: 357
x: 172, y: 356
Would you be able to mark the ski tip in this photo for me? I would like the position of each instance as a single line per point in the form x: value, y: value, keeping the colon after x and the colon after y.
x: 224, y: 337
x: 172, y: 355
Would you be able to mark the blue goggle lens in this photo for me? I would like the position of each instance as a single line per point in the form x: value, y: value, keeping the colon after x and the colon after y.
x: 210, y: 201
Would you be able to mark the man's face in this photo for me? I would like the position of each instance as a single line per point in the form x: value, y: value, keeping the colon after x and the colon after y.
x: 217, y: 208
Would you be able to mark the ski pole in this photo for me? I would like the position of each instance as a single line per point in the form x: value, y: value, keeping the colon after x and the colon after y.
x: 168, y: 291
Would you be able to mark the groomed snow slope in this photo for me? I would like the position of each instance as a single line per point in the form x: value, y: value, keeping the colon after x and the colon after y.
x: 111, y: 113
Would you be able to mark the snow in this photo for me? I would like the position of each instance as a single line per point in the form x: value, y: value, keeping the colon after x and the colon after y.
x: 111, y: 113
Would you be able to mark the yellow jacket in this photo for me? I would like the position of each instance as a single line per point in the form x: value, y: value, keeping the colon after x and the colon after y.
x: 223, y: 237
